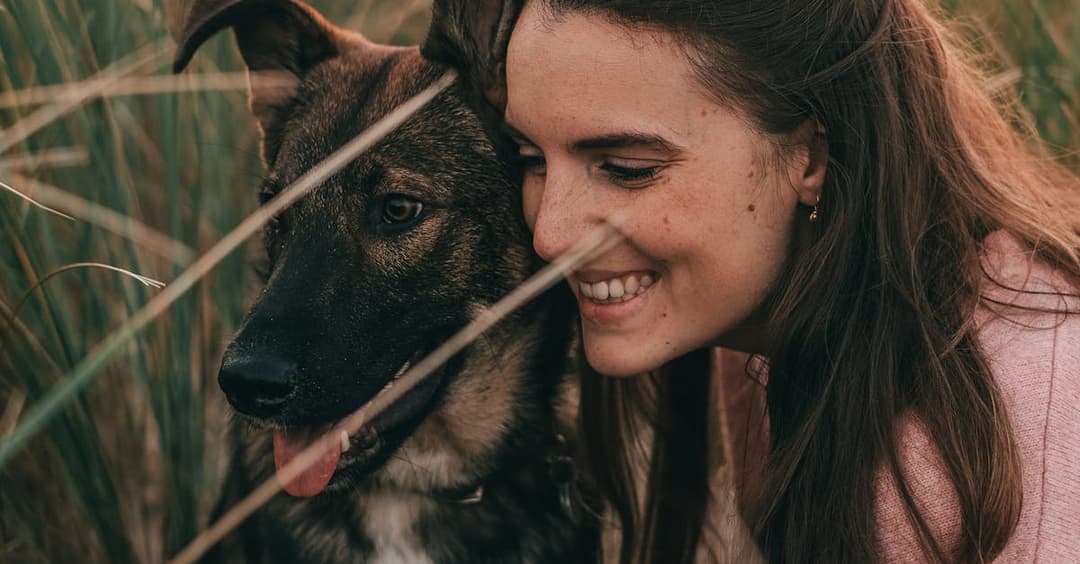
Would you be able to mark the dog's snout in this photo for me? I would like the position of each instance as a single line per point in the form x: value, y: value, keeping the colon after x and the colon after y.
x: 256, y: 385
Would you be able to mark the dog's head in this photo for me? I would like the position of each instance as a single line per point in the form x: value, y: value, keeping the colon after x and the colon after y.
x: 398, y: 250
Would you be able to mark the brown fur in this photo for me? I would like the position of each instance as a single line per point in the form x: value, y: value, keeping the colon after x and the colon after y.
x: 351, y: 296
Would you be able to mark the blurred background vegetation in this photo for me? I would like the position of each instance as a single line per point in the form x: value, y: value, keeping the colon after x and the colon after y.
x: 130, y: 469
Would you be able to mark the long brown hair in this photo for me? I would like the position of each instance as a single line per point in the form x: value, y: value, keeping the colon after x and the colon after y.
x: 873, y: 317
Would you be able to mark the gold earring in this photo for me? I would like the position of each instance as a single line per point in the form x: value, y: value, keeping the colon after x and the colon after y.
x: 814, y: 212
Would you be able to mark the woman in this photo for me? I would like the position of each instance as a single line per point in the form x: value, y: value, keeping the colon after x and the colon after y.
x: 824, y: 185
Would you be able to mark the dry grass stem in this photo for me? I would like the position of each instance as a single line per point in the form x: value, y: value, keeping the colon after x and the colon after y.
x: 596, y: 242
x: 45, y: 410
x: 52, y: 198
x: 142, y: 86
x: 35, y: 203
x: 154, y: 55
x: 393, y: 21
x: 52, y: 158
x: 1003, y: 81
x: 10, y: 416
x: 32, y: 340
x: 144, y: 280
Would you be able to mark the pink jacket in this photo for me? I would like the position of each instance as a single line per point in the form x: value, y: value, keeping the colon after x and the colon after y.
x: 1035, y: 359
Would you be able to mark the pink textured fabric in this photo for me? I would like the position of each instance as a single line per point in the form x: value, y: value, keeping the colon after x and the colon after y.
x: 1035, y: 359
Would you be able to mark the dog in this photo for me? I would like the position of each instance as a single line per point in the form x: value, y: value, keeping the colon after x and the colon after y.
x: 366, y: 275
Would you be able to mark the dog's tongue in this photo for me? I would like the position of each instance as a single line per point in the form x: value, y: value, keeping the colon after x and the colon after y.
x: 288, y: 444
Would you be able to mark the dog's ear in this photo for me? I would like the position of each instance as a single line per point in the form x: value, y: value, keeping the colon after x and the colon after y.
x: 280, y: 40
x: 471, y: 36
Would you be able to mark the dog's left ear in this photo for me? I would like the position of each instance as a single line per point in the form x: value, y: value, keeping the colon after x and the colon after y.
x: 283, y: 37
x: 471, y: 36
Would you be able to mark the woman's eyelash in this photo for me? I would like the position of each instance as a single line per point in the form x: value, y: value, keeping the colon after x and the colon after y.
x: 630, y: 174
x: 536, y: 164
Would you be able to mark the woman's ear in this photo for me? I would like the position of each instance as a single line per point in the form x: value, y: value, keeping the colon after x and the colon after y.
x: 471, y: 36
x: 810, y: 163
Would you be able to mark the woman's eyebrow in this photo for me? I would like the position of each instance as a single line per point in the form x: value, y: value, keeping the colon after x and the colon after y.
x: 623, y: 140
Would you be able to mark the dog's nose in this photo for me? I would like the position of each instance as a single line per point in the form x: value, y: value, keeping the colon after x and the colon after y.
x: 256, y: 385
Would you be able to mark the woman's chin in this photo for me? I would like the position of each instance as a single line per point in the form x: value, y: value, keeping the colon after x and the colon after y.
x: 617, y: 361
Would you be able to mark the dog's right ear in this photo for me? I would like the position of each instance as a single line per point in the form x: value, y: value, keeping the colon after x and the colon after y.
x: 284, y: 38
x: 472, y: 36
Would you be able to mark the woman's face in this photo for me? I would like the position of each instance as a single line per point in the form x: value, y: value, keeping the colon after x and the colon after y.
x: 613, y: 125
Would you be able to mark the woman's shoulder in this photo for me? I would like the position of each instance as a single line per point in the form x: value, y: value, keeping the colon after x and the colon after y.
x: 1016, y: 282
x: 1028, y: 329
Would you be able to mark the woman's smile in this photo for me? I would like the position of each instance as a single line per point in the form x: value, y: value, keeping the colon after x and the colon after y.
x: 608, y: 288
x: 607, y: 297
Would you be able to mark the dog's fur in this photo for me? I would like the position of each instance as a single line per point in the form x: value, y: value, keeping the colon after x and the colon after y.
x: 350, y: 298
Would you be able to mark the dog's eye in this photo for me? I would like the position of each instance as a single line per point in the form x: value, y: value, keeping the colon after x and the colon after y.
x: 401, y: 209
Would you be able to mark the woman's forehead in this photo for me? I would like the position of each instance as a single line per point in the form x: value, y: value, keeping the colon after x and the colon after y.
x: 589, y: 36
x: 585, y: 73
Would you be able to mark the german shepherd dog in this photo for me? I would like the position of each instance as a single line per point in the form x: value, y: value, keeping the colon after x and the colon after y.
x: 367, y: 274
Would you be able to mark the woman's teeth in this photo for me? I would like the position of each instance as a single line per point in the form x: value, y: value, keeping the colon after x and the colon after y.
x: 617, y: 289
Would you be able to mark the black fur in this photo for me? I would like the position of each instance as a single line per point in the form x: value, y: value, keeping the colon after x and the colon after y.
x: 351, y: 297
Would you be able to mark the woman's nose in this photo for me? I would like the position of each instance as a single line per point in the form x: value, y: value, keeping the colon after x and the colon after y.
x: 560, y: 214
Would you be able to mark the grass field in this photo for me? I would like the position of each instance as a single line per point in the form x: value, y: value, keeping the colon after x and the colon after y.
x: 129, y: 468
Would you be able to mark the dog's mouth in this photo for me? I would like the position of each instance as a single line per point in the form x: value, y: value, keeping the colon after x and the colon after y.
x: 365, y: 449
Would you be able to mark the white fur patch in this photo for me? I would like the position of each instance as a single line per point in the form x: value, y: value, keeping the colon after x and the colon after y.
x: 422, y: 469
x: 390, y: 522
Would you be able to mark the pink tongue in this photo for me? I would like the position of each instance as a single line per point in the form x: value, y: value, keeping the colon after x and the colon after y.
x: 288, y: 444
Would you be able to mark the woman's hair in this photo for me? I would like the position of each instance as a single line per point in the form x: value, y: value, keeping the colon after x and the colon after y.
x: 873, y: 317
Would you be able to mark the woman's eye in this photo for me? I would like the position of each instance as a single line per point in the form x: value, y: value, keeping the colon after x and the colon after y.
x: 628, y: 174
x: 401, y: 209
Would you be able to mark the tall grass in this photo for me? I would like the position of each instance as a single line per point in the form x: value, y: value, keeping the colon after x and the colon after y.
x: 128, y: 472
x: 1035, y: 44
